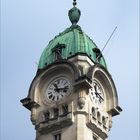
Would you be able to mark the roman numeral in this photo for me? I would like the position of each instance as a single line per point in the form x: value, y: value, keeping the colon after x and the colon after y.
x: 53, y: 98
x: 50, y: 96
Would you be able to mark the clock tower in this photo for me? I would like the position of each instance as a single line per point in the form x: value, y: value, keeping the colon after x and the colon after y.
x: 72, y: 96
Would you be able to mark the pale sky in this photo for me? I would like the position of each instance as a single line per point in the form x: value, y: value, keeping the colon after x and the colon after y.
x: 27, y: 26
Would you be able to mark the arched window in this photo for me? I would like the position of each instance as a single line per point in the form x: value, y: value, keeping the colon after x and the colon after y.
x: 56, y: 113
x: 57, y: 136
x: 65, y: 109
x: 58, y: 51
x: 95, y: 138
x: 98, y: 116
x: 93, y: 112
x: 104, y: 120
x: 47, y: 116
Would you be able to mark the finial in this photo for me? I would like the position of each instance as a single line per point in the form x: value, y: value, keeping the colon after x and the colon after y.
x: 74, y: 2
x: 74, y: 14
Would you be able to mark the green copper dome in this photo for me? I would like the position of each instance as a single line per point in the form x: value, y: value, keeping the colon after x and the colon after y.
x: 73, y: 41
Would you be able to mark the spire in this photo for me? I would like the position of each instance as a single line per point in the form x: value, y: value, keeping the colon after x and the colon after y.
x: 74, y: 14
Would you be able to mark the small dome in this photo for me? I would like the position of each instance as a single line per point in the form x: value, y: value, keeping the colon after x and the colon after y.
x: 75, y: 42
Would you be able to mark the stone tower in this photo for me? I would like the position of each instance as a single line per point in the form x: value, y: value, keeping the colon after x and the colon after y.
x: 72, y: 96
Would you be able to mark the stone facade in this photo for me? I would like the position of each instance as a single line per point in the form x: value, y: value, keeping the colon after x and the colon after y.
x: 76, y: 116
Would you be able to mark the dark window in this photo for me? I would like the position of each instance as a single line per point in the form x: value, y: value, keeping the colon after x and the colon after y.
x: 98, y: 116
x: 47, y: 116
x: 58, y: 51
x: 93, y: 112
x: 95, y: 138
x: 57, y: 137
x: 65, y: 109
x: 98, y: 54
x: 104, y: 120
x: 56, y: 112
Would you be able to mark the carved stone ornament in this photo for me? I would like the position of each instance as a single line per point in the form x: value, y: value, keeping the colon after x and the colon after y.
x: 110, y: 124
x: 81, y: 99
x: 81, y: 102
x: 41, y: 117
x: 33, y: 115
x: 33, y: 119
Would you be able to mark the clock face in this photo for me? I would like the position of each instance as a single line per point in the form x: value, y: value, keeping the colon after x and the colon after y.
x: 97, y: 93
x: 58, y: 89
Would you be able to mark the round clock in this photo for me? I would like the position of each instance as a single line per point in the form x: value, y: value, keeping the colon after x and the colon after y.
x: 97, y: 93
x: 58, y: 89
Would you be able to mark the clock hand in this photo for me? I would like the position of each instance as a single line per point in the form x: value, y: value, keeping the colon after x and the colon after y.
x: 99, y: 96
x: 55, y: 85
x: 101, y: 99
x: 64, y: 89
x: 56, y: 88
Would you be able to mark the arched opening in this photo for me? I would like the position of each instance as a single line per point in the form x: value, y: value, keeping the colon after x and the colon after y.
x: 99, y: 116
x: 104, y: 120
x: 93, y: 112
x: 47, y: 116
x: 56, y: 112
x: 65, y: 109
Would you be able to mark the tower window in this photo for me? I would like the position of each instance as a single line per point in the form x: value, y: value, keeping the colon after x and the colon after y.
x: 58, y: 51
x: 104, y: 120
x: 95, y: 138
x: 93, y: 112
x: 47, y: 116
x: 65, y: 109
x: 98, y: 54
x: 57, y: 137
x: 99, y: 116
x: 56, y: 113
